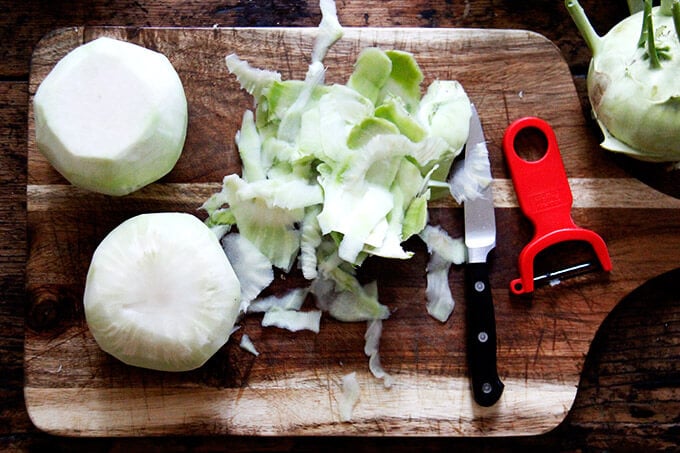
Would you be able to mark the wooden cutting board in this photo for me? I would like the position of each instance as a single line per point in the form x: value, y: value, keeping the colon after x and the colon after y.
x: 293, y: 386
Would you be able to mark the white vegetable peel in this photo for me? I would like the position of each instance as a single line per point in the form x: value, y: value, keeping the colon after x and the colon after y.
x: 372, y: 350
x: 253, y: 270
x: 292, y: 320
x: 291, y: 300
x: 349, y: 397
x: 247, y: 344
x: 440, y: 303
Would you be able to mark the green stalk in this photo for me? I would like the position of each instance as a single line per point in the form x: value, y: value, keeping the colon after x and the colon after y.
x: 651, y: 49
x: 635, y: 6
x: 646, y: 19
x: 676, y: 17
x: 651, y: 45
x: 647, y: 37
x: 593, y: 40
x: 666, y: 7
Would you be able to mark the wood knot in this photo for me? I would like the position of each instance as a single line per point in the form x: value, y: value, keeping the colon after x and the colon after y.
x: 48, y: 306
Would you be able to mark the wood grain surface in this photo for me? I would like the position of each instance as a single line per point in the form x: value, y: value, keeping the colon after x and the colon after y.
x: 292, y: 388
x: 628, y: 397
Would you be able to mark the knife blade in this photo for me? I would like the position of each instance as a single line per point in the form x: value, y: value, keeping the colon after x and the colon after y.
x: 480, y: 239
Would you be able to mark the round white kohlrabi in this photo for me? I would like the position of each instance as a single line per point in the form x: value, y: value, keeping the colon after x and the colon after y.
x: 634, y: 89
x: 161, y: 293
x: 111, y: 116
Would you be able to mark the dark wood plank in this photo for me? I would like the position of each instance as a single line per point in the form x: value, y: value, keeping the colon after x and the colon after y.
x: 629, y: 392
x: 25, y: 24
x: 589, y: 426
x: 12, y: 255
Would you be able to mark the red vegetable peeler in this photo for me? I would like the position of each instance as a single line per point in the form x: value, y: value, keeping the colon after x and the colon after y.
x: 545, y: 198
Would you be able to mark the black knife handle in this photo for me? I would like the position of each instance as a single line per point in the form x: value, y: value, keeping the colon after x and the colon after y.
x: 481, y: 342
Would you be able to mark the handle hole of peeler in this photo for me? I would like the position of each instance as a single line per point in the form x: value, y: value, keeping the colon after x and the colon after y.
x: 530, y: 144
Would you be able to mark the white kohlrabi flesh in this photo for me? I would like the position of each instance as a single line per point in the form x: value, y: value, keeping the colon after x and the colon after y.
x: 633, y: 82
x: 111, y: 116
x: 160, y: 292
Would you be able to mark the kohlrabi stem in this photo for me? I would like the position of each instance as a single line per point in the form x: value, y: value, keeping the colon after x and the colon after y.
x: 635, y: 6
x: 651, y: 49
x: 676, y: 17
x: 646, y: 18
x: 666, y: 7
x: 584, y: 26
x: 651, y: 45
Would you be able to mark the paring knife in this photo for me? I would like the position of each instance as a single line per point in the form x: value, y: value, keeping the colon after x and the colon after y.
x: 480, y: 239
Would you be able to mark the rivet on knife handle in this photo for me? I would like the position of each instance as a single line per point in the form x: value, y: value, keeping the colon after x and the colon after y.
x: 487, y: 387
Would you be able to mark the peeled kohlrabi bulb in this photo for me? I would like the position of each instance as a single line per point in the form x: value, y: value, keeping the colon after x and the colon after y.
x: 111, y: 116
x: 161, y: 293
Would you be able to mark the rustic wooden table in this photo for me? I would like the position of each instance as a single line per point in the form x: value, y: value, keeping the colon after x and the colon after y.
x: 629, y: 394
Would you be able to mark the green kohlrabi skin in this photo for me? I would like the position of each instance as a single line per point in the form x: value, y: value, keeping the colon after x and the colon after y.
x: 636, y: 102
x: 336, y: 173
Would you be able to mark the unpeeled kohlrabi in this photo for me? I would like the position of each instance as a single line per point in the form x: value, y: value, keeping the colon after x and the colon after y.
x: 633, y: 82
